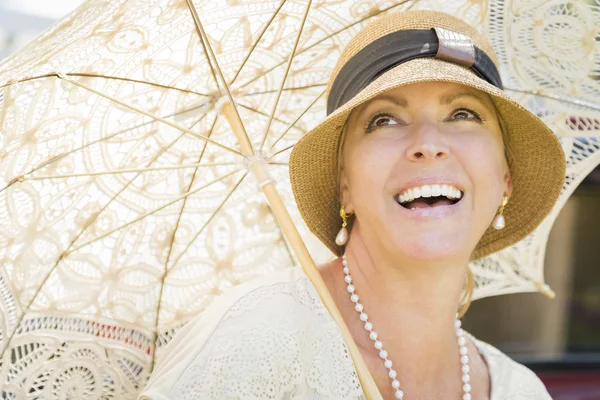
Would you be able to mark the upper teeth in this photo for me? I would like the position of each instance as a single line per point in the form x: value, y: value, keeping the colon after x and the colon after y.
x: 411, y: 194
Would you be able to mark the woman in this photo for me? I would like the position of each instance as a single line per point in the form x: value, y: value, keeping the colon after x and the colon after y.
x: 430, y: 165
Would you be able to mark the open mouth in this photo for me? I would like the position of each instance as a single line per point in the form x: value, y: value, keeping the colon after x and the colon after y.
x: 429, y: 196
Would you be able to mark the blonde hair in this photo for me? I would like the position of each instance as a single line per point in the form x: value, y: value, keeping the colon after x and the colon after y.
x: 467, y: 294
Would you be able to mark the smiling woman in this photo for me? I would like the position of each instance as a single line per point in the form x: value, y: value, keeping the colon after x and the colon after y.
x: 413, y: 157
x: 421, y: 139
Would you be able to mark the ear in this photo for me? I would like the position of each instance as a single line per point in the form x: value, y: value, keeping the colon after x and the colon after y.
x: 345, y: 193
x: 344, y: 190
x: 508, y: 184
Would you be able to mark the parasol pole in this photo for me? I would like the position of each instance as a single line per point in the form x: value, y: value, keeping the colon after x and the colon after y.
x: 258, y: 166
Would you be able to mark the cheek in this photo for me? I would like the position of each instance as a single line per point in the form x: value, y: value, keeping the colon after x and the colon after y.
x: 368, y: 167
x: 483, y: 159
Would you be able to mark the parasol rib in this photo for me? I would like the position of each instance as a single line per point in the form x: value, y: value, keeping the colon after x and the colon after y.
x: 573, y: 101
x: 118, y: 78
x: 148, y: 114
x: 255, y: 78
x: 131, y: 170
x: 264, y: 114
x: 86, y: 75
x: 31, y: 78
x: 293, y: 124
x: 282, y: 150
x: 203, y: 36
x: 175, y: 229
x: 284, y: 89
x: 204, y: 44
x: 219, y: 179
x: 173, y: 266
x: 285, y: 74
x: 260, y: 35
x: 58, y: 157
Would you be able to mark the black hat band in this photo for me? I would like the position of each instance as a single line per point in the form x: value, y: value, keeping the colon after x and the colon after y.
x: 398, y: 47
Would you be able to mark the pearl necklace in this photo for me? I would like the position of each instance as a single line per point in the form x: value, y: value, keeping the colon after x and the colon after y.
x: 399, y: 394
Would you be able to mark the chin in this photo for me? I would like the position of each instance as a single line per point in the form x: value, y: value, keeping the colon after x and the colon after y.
x: 436, y: 247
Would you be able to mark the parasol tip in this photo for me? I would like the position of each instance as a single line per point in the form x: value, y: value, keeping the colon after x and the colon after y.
x: 545, y: 290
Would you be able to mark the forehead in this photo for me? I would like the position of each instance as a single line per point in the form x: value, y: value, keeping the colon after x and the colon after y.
x: 415, y: 94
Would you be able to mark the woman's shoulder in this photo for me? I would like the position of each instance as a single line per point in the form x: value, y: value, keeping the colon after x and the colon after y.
x: 278, y: 297
x: 510, y: 380
x: 273, y: 330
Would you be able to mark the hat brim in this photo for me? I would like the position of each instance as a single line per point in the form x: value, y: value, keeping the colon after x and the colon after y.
x: 537, y: 159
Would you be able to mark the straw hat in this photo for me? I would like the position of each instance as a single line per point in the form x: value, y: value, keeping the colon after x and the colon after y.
x: 421, y: 46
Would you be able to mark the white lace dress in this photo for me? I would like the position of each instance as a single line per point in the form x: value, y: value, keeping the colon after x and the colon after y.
x: 273, y: 339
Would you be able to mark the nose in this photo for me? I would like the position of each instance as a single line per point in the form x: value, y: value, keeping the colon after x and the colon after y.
x: 427, y: 144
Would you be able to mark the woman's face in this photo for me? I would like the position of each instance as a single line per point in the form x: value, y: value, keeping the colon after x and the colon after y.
x: 425, y: 139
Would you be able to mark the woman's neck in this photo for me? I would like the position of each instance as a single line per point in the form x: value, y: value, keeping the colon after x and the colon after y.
x: 412, y: 306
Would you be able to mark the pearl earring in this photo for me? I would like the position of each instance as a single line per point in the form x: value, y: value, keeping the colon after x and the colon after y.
x: 342, y: 236
x: 499, y: 222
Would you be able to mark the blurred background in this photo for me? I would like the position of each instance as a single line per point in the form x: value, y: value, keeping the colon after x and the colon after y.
x: 22, y: 20
x: 559, y: 339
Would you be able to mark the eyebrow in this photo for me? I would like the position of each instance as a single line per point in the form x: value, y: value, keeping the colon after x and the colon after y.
x: 445, y: 100
x: 398, y: 101
x: 450, y: 98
